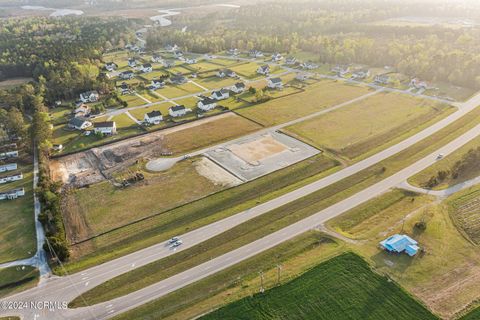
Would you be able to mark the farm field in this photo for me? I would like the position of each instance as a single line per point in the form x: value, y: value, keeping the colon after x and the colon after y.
x: 465, y: 212
x: 316, y: 97
x: 343, y: 287
x: 16, y: 279
x: 444, y: 275
x: 467, y: 172
x: 104, y: 206
x: 175, y: 91
x: 369, y: 124
x: 17, y: 226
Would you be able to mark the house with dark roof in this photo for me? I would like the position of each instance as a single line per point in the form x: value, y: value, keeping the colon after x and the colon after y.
x: 146, y: 68
x: 382, y: 79
x: 178, y: 111
x: 127, y: 75
x: 309, y: 65
x: 265, y: 69
x: 275, y: 83
x: 220, y: 94
x: 290, y: 60
x: 89, y: 96
x: 11, y: 178
x: 156, y: 58
x: 226, y: 73
x: 238, y: 87
x: 168, y: 63
x: 111, y: 66
x: 255, y: 53
x: 8, y: 155
x: 233, y: 51
x: 360, y: 74
x: 178, y: 79
x: 106, y: 127
x: 12, y: 194
x: 79, y: 123
x: 156, y: 84
x: 276, y: 57
x: 207, y: 104
x: 82, y: 111
x: 132, y: 62
x: 153, y: 117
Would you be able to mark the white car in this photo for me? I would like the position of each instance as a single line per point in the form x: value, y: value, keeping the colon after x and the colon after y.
x: 440, y: 156
x: 176, y: 244
x: 173, y: 240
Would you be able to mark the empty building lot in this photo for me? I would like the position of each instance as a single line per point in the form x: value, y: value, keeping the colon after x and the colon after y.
x: 261, y: 154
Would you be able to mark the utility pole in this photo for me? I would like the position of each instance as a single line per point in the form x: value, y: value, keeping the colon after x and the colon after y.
x: 279, y: 271
x: 262, y: 289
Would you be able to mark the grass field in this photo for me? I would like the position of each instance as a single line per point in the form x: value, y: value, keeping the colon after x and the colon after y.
x: 123, y: 121
x: 105, y: 207
x: 174, y: 91
x: 16, y: 279
x: 17, y: 226
x: 140, y: 112
x: 368, y: 124
x: 132, y: 100
x: 208, y: 133
x: 472, y: 315
x: 316, y: 97
x: 343, y: 287
x: 247, y: 70
x: 215, y: 82
x: 447, y: 164
x: 383, y: 211
x: 296, y: 256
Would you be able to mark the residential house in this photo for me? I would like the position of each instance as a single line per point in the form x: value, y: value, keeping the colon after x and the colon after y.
x: 302, y: 76
x: 8, y: 167
x: 382, y: 79
x: 79, y: 123
x: 156, y: 84
x: 82, y: 111
x: 233, y: 51
x: 168, y: 63
x: 190, y: 60
x: 132, y: 62
x: 207, y: 104
x: 146, y: 68
x: 308, y: 65
x: 265, y: 69
x: 238, y: 87
x: 57, y: 147
x: 226, y: 73
x: 399, y: 243
x: 341, y: 70
x: 418, y: 84
x: 153, y: 117
x: 360, y: 74
x: 276, y: 57
x: 125, y: 88
x: 107, y: 127
x: 12, y: 194
x: 178, y: 54
x: 127, y: 75
x: 89, y: 96
x: 255, y: 53
x: 178, y: 79
x: 111, y: 66
x: 290, y: 61
x: 275, y: 83
x: 10, y: 178
x: 156, y: 58
x: 171, y: 48
x: 8, y: 155
x: 220, y: 94
x: 178, y: 111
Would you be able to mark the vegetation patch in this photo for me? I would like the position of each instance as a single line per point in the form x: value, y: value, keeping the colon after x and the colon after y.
x: 343, y: 287
x: 465, y: 211
x: 16, y: 279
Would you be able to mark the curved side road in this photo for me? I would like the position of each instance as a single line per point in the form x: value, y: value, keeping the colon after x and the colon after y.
x: 67, y: 288
x: 441, y: 193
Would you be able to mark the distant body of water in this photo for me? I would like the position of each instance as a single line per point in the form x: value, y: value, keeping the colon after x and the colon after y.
x: 56, y: 12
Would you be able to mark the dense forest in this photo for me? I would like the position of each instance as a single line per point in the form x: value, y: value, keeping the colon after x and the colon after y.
x: 342, y: 32
x: 63, y: 55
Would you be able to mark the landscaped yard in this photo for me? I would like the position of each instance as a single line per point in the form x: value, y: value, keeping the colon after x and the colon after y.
x: 132, y: 100
x: 369, y: 124
x: 343, y: 287
x: 216, y: 82
x: 316, y: 97
x: 17, y: 223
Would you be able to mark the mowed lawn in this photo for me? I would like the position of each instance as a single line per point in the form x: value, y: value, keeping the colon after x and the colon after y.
x: 16, y: 279
x: 17, y: 222
x: 105, y: 207
x: 343, y: 287
x: 316, y: 97
x: 174, y: 91
x: 132, y: 100
x: 369, y: 123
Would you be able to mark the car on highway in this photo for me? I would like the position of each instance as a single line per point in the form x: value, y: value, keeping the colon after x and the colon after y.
x: 173, y: 240
x: 176, y: 244
x: 440, y: 156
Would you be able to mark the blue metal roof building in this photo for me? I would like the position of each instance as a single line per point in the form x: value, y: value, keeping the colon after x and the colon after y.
x: 399, y: 243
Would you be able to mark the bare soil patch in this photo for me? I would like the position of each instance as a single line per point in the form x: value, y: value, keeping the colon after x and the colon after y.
x: 258, y: 150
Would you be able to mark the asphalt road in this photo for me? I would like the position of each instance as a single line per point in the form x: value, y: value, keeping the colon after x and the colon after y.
x: 64, y: 289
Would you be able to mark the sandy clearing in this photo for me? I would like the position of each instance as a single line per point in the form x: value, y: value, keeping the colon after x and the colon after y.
x: 215, y: 173
x: 258, y: 150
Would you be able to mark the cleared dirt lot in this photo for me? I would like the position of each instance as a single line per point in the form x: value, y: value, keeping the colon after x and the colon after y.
x: 101, y: 163
x: 261, y: 154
